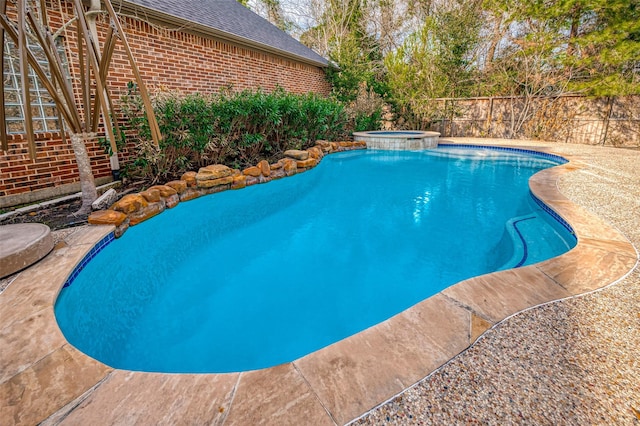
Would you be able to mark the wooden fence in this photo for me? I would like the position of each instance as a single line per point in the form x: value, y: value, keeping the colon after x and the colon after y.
x: 613, y: 121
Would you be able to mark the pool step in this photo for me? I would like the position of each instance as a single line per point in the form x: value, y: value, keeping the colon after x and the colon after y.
x: 531, y: 244
x: 521, y: 229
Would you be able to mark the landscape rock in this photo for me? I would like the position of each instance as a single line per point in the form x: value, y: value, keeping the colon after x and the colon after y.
x: 251, y: 171
x: 264, y: 167
x: 296, y: 154
x: 324, y: 146
x: 239, y: 182
x: 189, y: 178
x: 214, y: 171
x: 121, y: 229
x: 289, y: 166
x: 277, y: 174
x: 107, y: 217
x: 151, y: 195
x: 216, y: 189
x: 135, y: 208
x: 215, y: 182
x: 105, y: 200
x: 165, y: 190
x: 130, y: 203
x: 178, y: 185
x: 145, y: 213
x: 264, y: 179
x: 190, y: 194
x: 172, y: 201
x: 308, y: 163
x: 315, y: 153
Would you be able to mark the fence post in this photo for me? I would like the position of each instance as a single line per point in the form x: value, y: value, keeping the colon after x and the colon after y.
x: 489, y: 116
x: 607, y: 118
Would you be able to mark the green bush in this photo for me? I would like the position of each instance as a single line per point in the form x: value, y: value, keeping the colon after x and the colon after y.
x: 236, y: 129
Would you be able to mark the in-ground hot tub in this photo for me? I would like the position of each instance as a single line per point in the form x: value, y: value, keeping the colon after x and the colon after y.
x: 398, y: 139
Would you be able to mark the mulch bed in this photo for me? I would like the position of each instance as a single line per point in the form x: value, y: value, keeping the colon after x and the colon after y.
x: 58, y: 216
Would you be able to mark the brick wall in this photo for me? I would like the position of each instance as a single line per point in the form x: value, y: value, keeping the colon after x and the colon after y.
x: 168, y: 60
x: 54, y: 165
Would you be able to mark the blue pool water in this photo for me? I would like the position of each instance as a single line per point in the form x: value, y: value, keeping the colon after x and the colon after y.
x: 249, y: 279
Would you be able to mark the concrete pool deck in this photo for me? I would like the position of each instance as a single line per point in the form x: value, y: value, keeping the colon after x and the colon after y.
x: 45, y: 379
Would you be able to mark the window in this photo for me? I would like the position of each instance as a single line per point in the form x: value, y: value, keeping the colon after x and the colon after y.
x: 43, y: 110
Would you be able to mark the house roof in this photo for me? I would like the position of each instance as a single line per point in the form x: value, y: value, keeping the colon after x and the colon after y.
x: 226, y: 19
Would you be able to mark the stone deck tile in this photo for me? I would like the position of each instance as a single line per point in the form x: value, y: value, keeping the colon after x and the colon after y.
x: 39, y: 371
x: 37, y: 288
x: 89, y: 235
x: 40, y: 390
x: 584, y: 223
x: 133, y: 398
x: 500, y: 294
x: 276, y: 396
x: 359, y: 372
x: 31, y: 339
x: 543, y: 185
x: 27, y: 321
x: 608, y: 261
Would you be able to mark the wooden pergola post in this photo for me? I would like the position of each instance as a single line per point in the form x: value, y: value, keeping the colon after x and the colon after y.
x: 93, y: 64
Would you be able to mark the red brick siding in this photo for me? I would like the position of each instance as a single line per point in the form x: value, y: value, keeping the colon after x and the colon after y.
x: 168, y: 60
x: 54, y: 165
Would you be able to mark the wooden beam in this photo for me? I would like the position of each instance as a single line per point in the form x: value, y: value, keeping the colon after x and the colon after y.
x: 60, y: 77
x: 102, y: 74
x: 153, y: 123
x: 85, y: 76
x: 61, y: 122
x: 43, y: 14
x: 24, y: 77
x: 93, y: 61
x: 105, y: 61
x: 108, y: 48
x: 4, y: 145
x: 103, y: 68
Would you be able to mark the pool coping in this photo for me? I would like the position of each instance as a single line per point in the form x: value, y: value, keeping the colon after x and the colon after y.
x: 397, y: 134
x: 42, y: 377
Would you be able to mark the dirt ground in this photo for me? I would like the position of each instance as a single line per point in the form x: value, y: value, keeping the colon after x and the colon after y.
x: 58, y: 216
x: 61, y: 215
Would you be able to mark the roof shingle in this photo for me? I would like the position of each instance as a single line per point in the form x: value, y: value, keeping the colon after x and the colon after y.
x: 230, y: 17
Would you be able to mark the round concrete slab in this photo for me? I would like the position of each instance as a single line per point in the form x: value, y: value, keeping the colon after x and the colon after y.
x: 23, y: 244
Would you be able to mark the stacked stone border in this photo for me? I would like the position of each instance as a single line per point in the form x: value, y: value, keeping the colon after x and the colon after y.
x: 132, y: 209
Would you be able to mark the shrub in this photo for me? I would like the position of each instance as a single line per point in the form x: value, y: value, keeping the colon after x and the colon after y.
x: 237, y: 129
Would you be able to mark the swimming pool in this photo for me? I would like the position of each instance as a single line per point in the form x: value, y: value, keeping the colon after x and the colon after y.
x: 251, y: 279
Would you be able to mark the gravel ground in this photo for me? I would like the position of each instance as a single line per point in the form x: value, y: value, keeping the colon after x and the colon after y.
x: 572, y: 362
